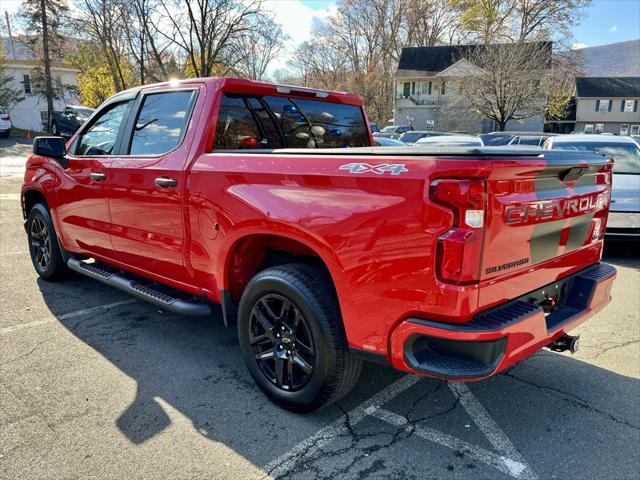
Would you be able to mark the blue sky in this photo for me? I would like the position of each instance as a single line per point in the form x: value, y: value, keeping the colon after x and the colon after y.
x: 609, y: 21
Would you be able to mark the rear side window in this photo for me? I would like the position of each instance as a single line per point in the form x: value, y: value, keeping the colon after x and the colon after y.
x: 275, y: 122
x: 101, y: 136
x: 237, y: 127
x: 626, y: 156
x: 162, y: 122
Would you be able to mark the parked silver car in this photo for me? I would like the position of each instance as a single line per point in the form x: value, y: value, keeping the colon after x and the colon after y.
x: 624, y: 213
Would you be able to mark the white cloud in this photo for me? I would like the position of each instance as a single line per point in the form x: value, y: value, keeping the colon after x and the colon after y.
x: 578, y: 46
x: 613, y: 29
x: 298, y: 21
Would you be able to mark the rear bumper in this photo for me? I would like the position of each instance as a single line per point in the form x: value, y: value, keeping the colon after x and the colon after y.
x: 502, y: 336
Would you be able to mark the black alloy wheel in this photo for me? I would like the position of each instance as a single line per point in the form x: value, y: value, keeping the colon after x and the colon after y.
x: 46, y: 253
x: 281, y: 339
x: 40, y: 243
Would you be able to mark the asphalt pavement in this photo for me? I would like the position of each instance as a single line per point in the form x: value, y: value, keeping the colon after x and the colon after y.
x: 96, y: 384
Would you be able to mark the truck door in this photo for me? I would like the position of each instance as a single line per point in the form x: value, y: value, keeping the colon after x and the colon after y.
x: 147, y: 182
x: 83, y: 211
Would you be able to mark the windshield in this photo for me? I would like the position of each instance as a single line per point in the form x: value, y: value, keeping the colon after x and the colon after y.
x: 390, y: 129
x: 494, y: 140
x: 84, y: 112
x: 411, y: 137
x: 626, y: 156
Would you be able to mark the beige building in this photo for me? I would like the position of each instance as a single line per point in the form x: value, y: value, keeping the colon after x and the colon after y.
x: 608, y: 105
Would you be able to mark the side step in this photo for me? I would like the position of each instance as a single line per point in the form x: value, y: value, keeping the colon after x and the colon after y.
x: 148, y: 292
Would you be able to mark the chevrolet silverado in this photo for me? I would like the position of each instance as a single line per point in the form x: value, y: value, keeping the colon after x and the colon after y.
x: 322, y: 250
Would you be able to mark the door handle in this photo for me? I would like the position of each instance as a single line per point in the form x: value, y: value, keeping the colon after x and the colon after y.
x: 164, y: 182
x: 98, y: 176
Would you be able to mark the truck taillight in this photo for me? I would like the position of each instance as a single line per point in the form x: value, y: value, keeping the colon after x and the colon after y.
x: 459, y: 249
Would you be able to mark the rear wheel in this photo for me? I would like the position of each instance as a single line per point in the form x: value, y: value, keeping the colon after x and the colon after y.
x: 292, y: 339
x: 43, y: 245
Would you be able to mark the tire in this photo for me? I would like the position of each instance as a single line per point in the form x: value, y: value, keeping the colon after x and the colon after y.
x: 313, y: 337
x: 43, y: 245
x: 54, y: 129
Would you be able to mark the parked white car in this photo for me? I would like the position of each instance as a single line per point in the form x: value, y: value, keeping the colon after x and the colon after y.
x: 5, y: 123
x: 624, y: 213
x: 450, y: 141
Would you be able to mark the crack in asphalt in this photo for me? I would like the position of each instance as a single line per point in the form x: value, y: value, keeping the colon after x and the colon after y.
x: 28, y: 353
x: 307, y: 460
x: 612, y: 346
x: 573, y: 400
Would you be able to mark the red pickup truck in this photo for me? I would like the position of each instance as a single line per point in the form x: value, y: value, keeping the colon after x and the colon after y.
x: 453, y: 263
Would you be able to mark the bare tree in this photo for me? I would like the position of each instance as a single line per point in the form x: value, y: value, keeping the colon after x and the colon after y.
x: 206, y: 30
x: 505, y: 81
x: 257, y: 49
x: 103, y: 21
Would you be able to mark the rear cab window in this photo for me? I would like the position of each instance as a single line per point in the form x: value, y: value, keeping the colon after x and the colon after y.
x: 268, y: 122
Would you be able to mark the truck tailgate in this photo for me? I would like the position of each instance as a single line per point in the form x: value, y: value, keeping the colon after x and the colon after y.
x: 546, y: 217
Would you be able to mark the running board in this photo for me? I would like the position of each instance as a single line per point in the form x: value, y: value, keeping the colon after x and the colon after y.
x: 143, y: 291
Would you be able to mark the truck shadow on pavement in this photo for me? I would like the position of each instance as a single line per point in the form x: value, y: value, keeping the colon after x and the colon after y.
x: 564, y: 415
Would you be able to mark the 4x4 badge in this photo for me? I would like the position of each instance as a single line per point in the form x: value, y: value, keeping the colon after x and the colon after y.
x: 393, y: 168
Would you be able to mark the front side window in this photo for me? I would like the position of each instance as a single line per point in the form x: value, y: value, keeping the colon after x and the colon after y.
x: 162, y: 122
x: 100, y: 138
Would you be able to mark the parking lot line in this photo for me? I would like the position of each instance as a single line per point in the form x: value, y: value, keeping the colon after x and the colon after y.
x: 506, y: 465
x: 9, y: 196
x: 284, y: 463
x: 66, y: 316
x: 486, y: 424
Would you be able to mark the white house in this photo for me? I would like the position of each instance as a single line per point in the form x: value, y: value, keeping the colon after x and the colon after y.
x: 31, y: 113
x: 425, y: 85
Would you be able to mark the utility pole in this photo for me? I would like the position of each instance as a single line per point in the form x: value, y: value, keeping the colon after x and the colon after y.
x: 47, y: 61
x: 13, y: 48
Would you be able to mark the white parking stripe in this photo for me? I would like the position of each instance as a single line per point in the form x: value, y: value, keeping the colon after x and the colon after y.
x: 486, y: 424
x: 9, y: 196
x: 66, y: 316
x: 284, y: 463
x: 6, y: 254
x: 499, y: 462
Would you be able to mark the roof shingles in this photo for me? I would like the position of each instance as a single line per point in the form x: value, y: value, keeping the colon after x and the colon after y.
x: 607, y: 87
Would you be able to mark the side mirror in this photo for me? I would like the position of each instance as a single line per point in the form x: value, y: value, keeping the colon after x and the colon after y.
x: 53, y: 147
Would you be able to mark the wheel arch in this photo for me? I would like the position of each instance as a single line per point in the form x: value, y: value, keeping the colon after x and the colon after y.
x: 253, y: 252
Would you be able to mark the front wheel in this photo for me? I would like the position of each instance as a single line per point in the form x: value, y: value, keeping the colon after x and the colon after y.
x: 292, y: 339
x: 43, y: 245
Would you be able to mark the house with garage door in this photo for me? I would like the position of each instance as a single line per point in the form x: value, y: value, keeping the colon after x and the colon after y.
x: 608, y: 105
x: 23, y: 67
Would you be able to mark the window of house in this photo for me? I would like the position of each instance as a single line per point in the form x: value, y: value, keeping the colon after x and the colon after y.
x: 162, y: 122
x: 44, y: 120
x: 599, y: 127
x: 442, y: 88
x: 603, y: 105
x: 629, y: 106
x: 588, y: 128
x: 100, y: 138
x: 406, y: 89
x: 26, y: 81
x: 430, y: 126
x: 624, y: 129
